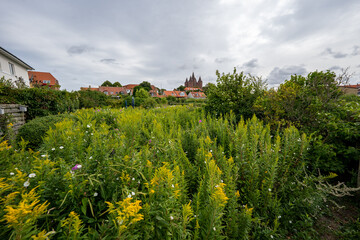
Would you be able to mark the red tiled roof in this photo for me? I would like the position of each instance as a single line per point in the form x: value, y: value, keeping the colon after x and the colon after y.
x: 198, y: 94
x: 40, y: 77
x: 112, y: 90
x: 178, y: 94
x: 192, y: 89
x: 130, y: 86
x: 89, y: 88
x: 351, y: 86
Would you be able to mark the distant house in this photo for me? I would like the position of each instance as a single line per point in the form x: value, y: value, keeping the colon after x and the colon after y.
x: 177, y: 94
x: 43, y: 79
x: 13, y: 68
x: 193, y: 89
x: 130, y: 89
x: 351, y: 89
x: 197, y: 95
x: 111, y: 91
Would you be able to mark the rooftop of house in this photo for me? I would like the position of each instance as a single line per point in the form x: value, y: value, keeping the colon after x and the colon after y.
x: 351, y: 86
x: 15, y: 58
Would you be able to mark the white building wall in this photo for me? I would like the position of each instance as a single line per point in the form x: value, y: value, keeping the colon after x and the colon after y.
x: 190, y: 95
x: 20, y: 71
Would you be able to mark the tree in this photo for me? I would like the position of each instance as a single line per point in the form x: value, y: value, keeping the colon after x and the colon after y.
x: 181, y: 88
x: 144, y: 85
x: 234, y: 92
x: 208, y: 86
x: 316, y: 106
x: 117, y: 84
x: 142, y: 93
x: 107, y: 83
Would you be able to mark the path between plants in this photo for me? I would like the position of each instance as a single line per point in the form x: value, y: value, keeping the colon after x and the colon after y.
x: 329, y: 225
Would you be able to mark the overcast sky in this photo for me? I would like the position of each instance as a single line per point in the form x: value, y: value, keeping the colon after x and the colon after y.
x: 86, y: 42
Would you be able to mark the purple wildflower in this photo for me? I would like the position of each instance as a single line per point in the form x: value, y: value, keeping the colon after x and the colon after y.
x: 77, y: 166
x: 200, y: 121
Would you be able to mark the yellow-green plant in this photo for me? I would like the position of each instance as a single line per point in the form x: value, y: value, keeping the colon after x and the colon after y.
x: 23, y: 216
x: 72, y: 226
x: 125, y: 214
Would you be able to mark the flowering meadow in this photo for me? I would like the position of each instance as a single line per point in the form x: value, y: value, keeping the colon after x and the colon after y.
x: 166, y: 173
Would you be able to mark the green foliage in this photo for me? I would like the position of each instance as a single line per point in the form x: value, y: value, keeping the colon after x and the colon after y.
x: 34, y: 131
x: 93, y: 99
x: 181, y: 88
x: 107, y: 83
x: 196, y: 177
x: 316, y: 106
x: 149, y: 103
x: 117, y: 84
x: 142, y: 93
x: 234, y: 92
x: 144, y: 85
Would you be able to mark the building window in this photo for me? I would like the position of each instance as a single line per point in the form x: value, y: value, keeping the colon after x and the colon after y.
x: 111, y: 93
x: 12, y: 68
x: 106, y: 92
x: 46, y: 81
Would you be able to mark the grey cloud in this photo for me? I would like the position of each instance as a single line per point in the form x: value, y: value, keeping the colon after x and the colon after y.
x: 78, y: 49
x: 108, y: 61
x: 334, y: 68
x: 308, y: 18
x: 279, y: 75
x: 339, y: 55
x: 253, y: 63
x: 183, y: 67
x: 356, y: 50
x: 329, y: 51
x: 222, y: 60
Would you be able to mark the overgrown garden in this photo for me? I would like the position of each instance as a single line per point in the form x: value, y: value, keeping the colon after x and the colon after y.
x: 253, y: 164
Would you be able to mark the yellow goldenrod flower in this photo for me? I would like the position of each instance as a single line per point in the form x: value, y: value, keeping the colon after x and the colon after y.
x: 26, y: 212
x: 219, y: 195
x: 43, y: 235
x: 73, y: 222
x: 125, y: 214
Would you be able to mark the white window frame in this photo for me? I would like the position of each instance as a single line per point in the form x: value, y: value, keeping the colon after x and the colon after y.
x: 11, y: 68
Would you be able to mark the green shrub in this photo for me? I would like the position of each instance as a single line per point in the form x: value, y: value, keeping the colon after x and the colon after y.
x: 34, y: 131
x: 92, y: 99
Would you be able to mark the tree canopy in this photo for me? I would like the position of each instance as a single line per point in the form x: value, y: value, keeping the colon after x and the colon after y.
x: 107, y: 83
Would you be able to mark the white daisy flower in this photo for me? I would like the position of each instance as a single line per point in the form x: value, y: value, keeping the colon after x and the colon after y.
x: 27, y: 183
x: 31, y: 175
